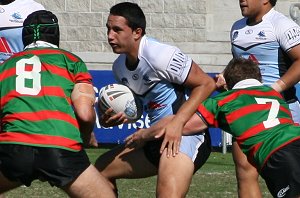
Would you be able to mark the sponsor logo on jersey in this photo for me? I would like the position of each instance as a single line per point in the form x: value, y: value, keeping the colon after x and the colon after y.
x: 249, y: 31
x: 17, y: 18
x: 293, y: 35
x: 4, y: 47
x: 147, y: 80
x: 261, y: 35
x: 283, y: 191
x: 125, y: 81
x: 153, y: 105
x: 135, y: 77
x: 253, y: 58
x: 177, y: 63
x: 235, y: 35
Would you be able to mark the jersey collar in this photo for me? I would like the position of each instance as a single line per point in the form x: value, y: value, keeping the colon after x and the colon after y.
x: 40, y: 44
x: 247, y: 83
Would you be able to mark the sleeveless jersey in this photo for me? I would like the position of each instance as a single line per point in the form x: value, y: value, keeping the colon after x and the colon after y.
x: 267, y: 44
x: 12, y: 17
x: 161, y: 71
x: 35, y: 91
x: 256, y: 116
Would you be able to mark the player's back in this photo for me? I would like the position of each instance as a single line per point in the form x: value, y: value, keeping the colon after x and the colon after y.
x: 36, y: 86
x: 258, y: 118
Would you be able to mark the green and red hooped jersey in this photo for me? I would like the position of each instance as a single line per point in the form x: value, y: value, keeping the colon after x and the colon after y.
x: 35, y: 91
x: 257, y: 117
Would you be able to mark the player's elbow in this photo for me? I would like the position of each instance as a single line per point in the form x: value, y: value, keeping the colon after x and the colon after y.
x: 211, y: 84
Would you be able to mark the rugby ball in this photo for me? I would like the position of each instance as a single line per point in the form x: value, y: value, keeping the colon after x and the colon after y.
x: 121, y: 99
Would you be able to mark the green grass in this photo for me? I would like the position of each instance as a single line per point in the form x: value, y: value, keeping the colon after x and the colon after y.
x: 214, y: 180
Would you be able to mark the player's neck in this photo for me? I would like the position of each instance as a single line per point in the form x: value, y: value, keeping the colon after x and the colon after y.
x: 132, y: 64
x: 258, y: 17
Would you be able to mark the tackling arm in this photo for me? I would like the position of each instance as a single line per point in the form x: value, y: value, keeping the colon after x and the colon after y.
x: 193, y: 126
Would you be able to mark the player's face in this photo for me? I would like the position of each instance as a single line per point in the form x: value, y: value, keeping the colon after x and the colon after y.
x: 252, y: 9
x: 120, y: 36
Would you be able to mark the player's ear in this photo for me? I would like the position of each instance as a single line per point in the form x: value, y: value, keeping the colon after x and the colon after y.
x: 137, y: 33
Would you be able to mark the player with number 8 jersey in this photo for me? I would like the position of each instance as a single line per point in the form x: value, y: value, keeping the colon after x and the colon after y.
x: 44, y: 76
x: 47, y: 113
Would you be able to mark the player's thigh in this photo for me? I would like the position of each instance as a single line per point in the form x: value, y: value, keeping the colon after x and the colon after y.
x: 174, y: 175
x: 89, y: 184
x: 123, y: 162
x: 6, y: 185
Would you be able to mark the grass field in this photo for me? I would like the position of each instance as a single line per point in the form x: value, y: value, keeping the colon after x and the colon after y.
x: 216, y: 179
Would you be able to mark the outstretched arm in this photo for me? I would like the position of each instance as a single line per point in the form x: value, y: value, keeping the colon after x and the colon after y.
x: 193, y: 126
x: 202, y: 87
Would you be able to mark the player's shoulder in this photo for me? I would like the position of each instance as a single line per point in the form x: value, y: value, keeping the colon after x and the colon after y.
x: 120, y: 60
x: 25, y: 6
x: 278, y: 19
x: 150, y: 47
x: 239, y: 23
x: 156, y: 53
x: 70, y: 55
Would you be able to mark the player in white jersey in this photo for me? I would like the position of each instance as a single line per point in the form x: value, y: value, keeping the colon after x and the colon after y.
x: 12, y: 15
x: 159, y: 74
x: 272, y: 40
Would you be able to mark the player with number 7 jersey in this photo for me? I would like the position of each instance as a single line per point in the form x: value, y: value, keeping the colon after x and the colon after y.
x: 43, y: 75
x: 252, y: 115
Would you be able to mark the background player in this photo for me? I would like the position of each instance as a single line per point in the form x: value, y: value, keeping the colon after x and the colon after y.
x: 47, y: 102
x: 12, y: 17
x: 159, y: 74
x: 272, y: 40
x: 259, y: 119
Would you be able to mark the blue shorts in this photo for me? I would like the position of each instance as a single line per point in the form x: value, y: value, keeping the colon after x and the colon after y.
x: 196, y: 147
x: 295, y: 110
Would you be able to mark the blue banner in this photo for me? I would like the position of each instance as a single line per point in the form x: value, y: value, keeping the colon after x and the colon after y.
x: 117, y: 134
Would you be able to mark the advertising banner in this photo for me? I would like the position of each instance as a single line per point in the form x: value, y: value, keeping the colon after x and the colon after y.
x: 117, y: 134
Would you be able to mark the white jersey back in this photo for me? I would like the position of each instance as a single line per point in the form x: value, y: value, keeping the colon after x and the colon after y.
x: 160, y: 72
x: 267, y: 44
x: 12, y: 17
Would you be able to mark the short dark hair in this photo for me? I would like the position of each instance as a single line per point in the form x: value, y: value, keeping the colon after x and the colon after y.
x: 132, y: 13
x: 273, y: 2
x: 40, y: 25
x: 239, y: 69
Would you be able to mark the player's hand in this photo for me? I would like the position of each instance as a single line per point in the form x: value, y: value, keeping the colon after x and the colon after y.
x: 220, y: 82
x: 135, y: 140
x: 109, y: 119
x: 172, y: 138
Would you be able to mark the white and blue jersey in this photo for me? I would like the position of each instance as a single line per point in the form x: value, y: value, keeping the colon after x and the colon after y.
x: 267, y: 43
x: 158, y: 81
x: 12, y: 17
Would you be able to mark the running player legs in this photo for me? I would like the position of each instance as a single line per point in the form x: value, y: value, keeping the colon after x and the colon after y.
x: 90, y: 184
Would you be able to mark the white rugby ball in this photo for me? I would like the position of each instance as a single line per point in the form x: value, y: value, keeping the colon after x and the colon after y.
x: 121, y: 99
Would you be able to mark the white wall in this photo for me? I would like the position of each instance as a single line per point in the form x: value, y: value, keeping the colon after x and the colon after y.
x: 199, y: 28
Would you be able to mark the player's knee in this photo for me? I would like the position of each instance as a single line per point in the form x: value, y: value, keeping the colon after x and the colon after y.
x: 171, y: 187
